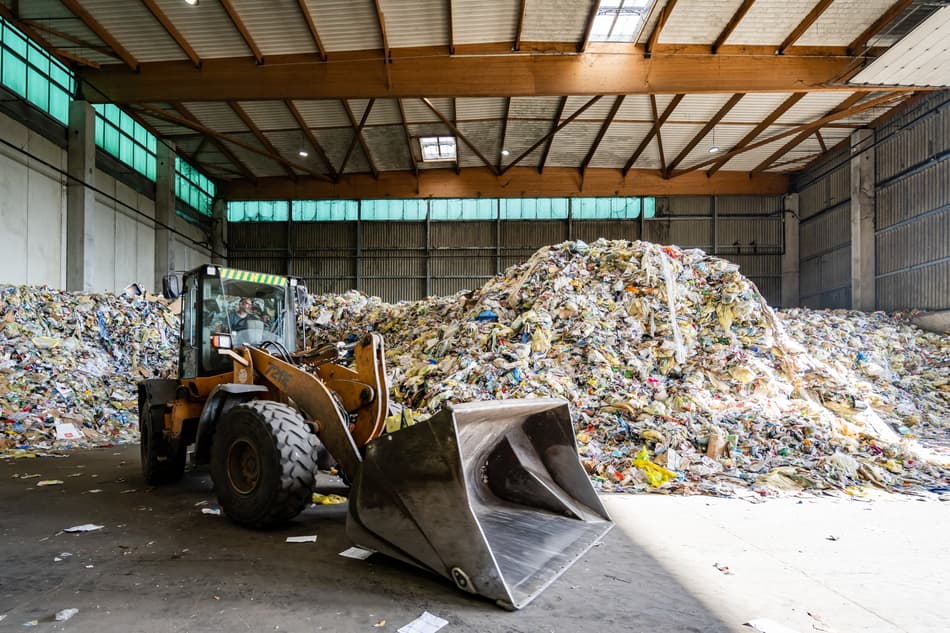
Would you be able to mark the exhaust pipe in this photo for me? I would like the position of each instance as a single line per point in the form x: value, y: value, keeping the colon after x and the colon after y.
x: 490, y: 495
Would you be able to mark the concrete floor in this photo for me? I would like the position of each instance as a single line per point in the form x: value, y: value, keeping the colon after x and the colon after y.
x: 161, y: 565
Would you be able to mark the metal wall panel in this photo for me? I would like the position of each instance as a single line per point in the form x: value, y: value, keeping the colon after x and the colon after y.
x: 532, y: 235
x: 826, y: 232
x: 593, y: 230
x: 749, y: 205
x: 394, y: 235
x: 257, y: 236
x: 393, y: 290
x: 914, y: 243
x: 760, y: 266
x: 925, y: 288
x: 392, y: 264
x: 448, y: 287
x: 322, y: 235
x: 465, y: 264
x: 913, y: 195
x: 461, y: 234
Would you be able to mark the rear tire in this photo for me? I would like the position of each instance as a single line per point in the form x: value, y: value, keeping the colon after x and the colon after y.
x: 163, y: 461
x: 263, y: 463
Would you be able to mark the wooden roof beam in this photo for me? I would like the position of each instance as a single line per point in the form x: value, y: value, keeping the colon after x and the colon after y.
x: 658, y: 27
x: 473, y: 76
x: 183, y: 44
x: 358, y: 137
x: 242, y: 29
x: 504, y: 132
x: 455, y: 121
x: 809, y: 127
x: 731, y: 26
x: 101, y: 32
x: 821, y: 141
x: 554, y: 124
x: 758, y: 129
x: 659, y: 139
x: 589, y: 26
x: 405, y: 128
x: 521, y: 14
x: 804, y: 25
x: 603, y: 131
x: 655, y: 130
x: 460, y: 136
x: 451, y: 28
x: 32, y: 30
x: 224, y: 149
x: 263, y: 140
x: 712, y: 123
x: 381, y: 20
x: 860, y: 42
x: 38, y: 27
x: 312, y: 26
x: 550, y: 134
x: 311, y: 138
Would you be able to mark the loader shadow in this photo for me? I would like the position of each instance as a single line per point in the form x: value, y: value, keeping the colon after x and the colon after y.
x: 159, y: 550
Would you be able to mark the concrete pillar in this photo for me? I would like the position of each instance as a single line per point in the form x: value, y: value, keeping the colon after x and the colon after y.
x: 164, y: 213
x: 80, y: 198
x: 219, y: 232
x: 790, y: 261
x: 862, y: 221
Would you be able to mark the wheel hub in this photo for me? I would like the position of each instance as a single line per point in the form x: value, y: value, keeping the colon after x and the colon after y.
x: 244, y: 466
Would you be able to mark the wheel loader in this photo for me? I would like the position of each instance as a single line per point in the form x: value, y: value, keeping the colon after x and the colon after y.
x: 490, y: 495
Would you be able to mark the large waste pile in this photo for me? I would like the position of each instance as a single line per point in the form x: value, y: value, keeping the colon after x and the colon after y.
x: 69, y: 364
x: 681, y: 377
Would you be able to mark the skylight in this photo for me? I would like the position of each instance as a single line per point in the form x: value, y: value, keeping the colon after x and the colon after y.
x: 620, y: 20
x: 437, y: 148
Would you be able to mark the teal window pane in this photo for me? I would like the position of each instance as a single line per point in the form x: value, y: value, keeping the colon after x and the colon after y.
x: 14, y: 73
x: 39, y: 60
x: 59, y: 105
x: 99, y: 132
x: 649, y: 208
x: 60, y: 76
x: 111, y: 140
x: 15, y: 40
x: 37, y: 89
x: 125, y: 149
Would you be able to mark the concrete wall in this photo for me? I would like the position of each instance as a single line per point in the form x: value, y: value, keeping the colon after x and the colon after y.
x: 33, y: 221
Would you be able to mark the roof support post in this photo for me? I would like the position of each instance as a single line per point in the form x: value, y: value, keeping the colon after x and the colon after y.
x: 80, y: 198
x: 164, y: 212
x: 862, y: 221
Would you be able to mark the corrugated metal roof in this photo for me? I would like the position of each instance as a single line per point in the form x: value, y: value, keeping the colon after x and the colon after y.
x: 754, y: 108
x: 418, y: 112
x: 289, y: 144
x: 136, y: 29
x: 478, y: 21
x: 486, y: 136
x: 556, y: 20
x: 683, y: 27
x: 276, y: 26
x: 260, y: 165
x: 724, y: 137
x: 206, y: 27
x: 843, y: 21
x: 919, y: 59
x: 770, y: 21
x: 572, y: 144
x: 216, y: 115
x: 651, y: 21
x: 813, y: 106
x: 698, y: 107
x: 598, y: 111
x: 346, y: 25
x: 323, y: 113
x: 480, y: 108
x: 269, y: 115
x: 416, y: 22
x: 677, y: 136
x: 636, y: 108
x: 619, y: 143
x: 751, y: 159
x: 384, y: 112
x: 534, y: 107
x: 521, y: 135
x: 388, y: 146
x: 161, y: 125
x: 52, y: 14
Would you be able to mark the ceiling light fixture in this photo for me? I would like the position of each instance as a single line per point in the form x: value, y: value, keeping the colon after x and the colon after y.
x: 193, y: 3
x: 303, y: 153
x: 505, y: 152
x: 714, y: 149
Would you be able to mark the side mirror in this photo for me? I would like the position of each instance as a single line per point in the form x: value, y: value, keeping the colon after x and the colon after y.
x: 303, y: 297
x: 171, y: 286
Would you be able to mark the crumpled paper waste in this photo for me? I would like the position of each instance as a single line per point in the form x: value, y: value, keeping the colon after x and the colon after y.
x: 74, y: 359
x: 672, y: 358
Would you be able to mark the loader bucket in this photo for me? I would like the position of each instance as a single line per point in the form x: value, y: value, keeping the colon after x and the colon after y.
x: 490, y: 495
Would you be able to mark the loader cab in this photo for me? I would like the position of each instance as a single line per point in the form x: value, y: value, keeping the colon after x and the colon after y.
x: 254, y: 308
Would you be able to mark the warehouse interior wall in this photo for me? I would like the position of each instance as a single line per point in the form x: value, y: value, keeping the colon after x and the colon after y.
x: 408, y: 260
x: 33, y: 220
x: 911, y: 215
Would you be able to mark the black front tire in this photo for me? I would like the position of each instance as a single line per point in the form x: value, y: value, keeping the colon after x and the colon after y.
x: 163, y: 460
x: 263, y: 463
